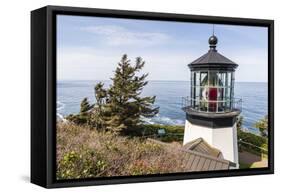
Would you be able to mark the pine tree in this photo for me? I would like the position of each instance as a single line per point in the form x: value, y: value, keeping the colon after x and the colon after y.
x: 84, y: 115
x: 98, y: 118
x: 124, y: 97
x: 85, y: 107
x: 120, y: 107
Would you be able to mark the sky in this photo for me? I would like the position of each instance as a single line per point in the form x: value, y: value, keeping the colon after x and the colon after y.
x: 89, y: 48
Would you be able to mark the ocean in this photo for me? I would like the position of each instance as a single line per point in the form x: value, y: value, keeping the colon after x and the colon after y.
x: 169, y: 98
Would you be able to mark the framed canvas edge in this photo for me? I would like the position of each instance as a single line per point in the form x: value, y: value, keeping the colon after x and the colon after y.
x: 51, y: 12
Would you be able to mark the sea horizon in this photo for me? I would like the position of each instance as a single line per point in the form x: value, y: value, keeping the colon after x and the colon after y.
x: 168, y: 97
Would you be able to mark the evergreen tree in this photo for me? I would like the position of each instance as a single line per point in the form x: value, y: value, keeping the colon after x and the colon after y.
x: 124, y: 101
x: 98, y: 118
x: 120, y: 107
x: 84, y: 115
x: 85, y: 107
x: 262, y: 125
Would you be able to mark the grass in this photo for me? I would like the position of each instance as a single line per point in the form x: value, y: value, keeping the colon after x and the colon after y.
x: 84, y: 152
x: 244, y: 166
x: 247, y: 166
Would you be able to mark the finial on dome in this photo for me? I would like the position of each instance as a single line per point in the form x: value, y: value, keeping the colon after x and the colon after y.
x: 213, y: 40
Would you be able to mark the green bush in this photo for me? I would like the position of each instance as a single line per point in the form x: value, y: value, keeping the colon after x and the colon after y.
x: 256, y: 140
x: 75, y: 165
x: 153, y: 128
x: 173, y: 132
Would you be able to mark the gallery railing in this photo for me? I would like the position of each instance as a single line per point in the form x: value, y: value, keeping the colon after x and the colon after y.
x: 212, y: 106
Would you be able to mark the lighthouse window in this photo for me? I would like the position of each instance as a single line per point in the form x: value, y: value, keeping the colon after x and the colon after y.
x: 197, y: 79
x: 228, y: 81
x: 203, y: 78
x: 212, y: 91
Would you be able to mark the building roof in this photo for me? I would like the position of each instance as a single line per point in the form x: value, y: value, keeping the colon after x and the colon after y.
x: 200, y: 156
x: 213, y: 59
x: 201, y: 146
x: 213, y: 56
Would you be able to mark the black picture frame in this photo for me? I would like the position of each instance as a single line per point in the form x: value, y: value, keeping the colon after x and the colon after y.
x: 43, y: 94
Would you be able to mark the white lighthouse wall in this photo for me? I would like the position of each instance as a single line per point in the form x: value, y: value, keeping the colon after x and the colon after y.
x: 192, y: 132
x: 224, y: 139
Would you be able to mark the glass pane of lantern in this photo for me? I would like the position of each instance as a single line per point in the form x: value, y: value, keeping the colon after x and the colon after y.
x: 203, y: 94
x: 229, y: 79
x: 197, y: 79
x: 231, y: 98
x: 226, y: 98
x: 203, y: 104
x: 222, y: 78
x: 196, y: 103
x: 203, y: 78
x: 218, y: 82
x: 191, y: 94
x: 197, y: 92
x: 226, y: 80
x: 220, y: 99
x: 221, y: 92
x: 212, y: 78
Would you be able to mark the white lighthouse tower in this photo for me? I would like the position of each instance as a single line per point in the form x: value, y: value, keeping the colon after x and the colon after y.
x: 211, y: 110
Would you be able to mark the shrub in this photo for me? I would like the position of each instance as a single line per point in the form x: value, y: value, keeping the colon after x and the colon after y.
x: 84, y: 152
x: 80, y: 165
x: 173, y: 132
x: 256, y: 140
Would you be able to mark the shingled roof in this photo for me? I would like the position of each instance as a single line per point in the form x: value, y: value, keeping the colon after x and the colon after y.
x: 200, y: 156
x: 201, y: 146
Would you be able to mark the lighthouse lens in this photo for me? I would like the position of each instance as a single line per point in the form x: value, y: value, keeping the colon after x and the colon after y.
x: 211, y: 91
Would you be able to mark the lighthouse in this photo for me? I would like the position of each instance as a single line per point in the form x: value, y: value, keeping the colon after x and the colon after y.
x: 211, y: 109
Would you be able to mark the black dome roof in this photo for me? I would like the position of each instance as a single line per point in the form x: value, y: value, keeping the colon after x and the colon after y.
x: 213, y: 59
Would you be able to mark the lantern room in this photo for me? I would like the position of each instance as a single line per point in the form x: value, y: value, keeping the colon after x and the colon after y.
x: 212, y: 82
x: 212, y: 90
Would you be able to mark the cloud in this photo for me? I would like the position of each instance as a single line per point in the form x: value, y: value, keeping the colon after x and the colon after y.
x: 88, y: 63
x: 84, y: 63
x: 117, y: 36
x: 97, y: 64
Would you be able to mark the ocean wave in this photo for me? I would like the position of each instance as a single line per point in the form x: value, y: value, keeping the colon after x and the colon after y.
x: 60, y: 107
x: 162, y: 120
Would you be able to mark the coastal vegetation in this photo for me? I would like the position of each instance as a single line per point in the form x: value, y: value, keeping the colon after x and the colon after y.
x: 256, y: 144
x: 262, y: 125
x: 84, y: 152
x: 110, y: 137
x: 253, y: 148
